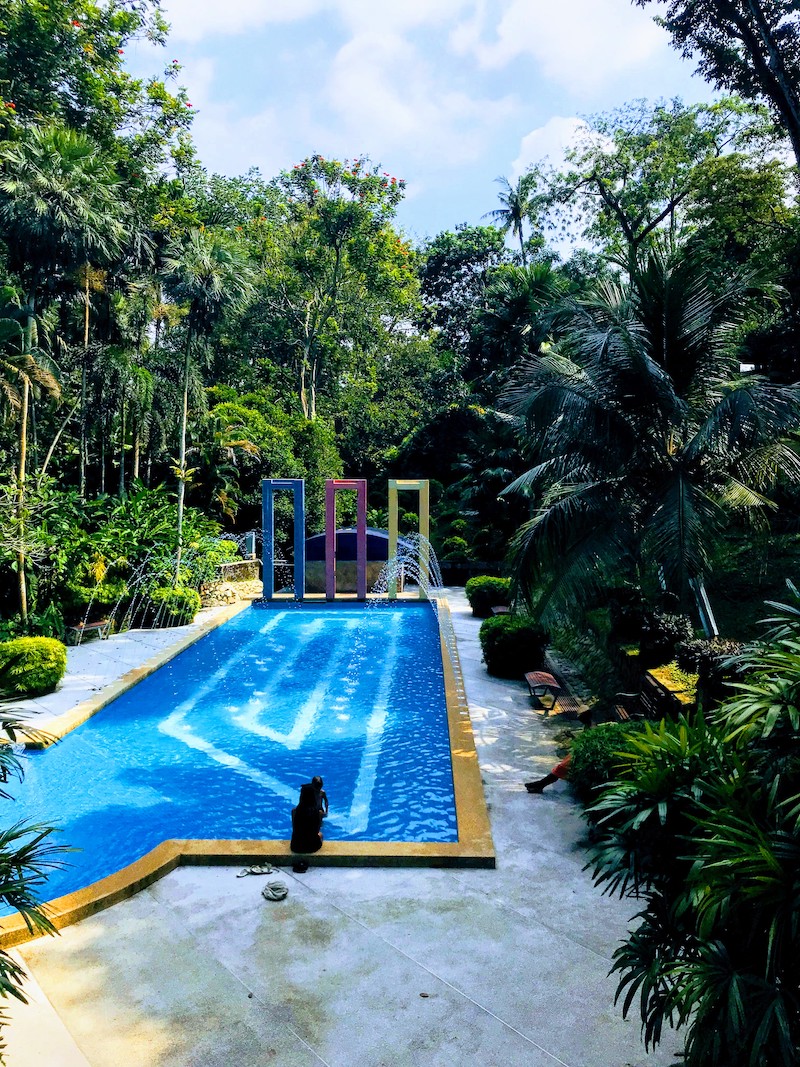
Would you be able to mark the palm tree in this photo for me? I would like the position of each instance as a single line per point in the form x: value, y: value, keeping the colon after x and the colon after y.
x: 58, y: 209
x: 517, y: 207
x: 91, y: 280
x: 519, y: 309
x: 206, y: 275
x: 645, y: 435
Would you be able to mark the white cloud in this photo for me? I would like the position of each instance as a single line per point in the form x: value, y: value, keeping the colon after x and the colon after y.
x: 547, y: 142
x: 193, y: 20
x: 580, y: 44
x: 391, y: 16
x: 231, y: 144
x: 199, y: 74
x: 389, y: 97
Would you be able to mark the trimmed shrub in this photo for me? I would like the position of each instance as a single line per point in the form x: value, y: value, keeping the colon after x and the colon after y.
x: 512, y: 645
x: 661, y: 632
x: 679, y: 680
x: 484, y: 592
x: 31, y: 666
x: 98, y: 596
x: 713, y: 661
x: 173, y: 607
x: 456, y: 549
x: 595, y: 757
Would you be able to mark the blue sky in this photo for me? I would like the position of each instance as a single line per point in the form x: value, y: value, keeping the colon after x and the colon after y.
x: 447, y: 94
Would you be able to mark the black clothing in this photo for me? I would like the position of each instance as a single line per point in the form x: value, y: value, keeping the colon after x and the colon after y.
x: 306, y: 822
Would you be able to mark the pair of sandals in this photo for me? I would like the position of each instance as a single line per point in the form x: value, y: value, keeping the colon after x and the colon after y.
x: 274, y: 890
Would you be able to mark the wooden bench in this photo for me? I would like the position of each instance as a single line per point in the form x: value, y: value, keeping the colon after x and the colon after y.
x: 500, y: 609
x: 80, y: 632
x: 542, y: 684
x: 648, y: 703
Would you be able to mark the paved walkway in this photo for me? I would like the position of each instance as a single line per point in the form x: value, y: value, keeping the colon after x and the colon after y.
x: 359, y: 967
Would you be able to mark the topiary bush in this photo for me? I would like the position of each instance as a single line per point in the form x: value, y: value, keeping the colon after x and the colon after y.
x: 595, y: 756
x: 661, y: 632
x: 32, y: 666
x: 484, y: 592
x: 173, y: 606
x: 512, y: 645
x: 713, y: 661
x: 456, y: 549
x: 99, y: 596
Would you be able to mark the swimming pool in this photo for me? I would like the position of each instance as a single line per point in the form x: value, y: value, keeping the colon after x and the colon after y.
x: 216, y: 744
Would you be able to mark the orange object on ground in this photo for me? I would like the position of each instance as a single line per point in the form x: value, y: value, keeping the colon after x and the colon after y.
x: 561, y: 769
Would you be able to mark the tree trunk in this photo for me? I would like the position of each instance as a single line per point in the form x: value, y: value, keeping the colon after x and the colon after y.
x: 54, y: 442
x: 122, y: 450
x: 103, y: 457
x: 182, y: 456
x: 27, y: 346
x: 303, y: 392
x: 23, y: 445
x: 313, y: 391
x: 137, y: 445
x: 83, y: 445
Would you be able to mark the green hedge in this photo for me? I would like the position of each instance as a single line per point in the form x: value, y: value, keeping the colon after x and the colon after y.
x: 78, y: 598
x: 595, y: 756
x: 30, y: 666
x: 484, y: 592
x: 512, y: 645
x: 714, y: 661
x: 173, y: 606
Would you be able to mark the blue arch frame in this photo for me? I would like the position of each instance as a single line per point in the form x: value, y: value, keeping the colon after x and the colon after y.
x: 269, y: 486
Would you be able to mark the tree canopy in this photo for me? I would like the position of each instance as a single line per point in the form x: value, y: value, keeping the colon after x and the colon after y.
x: 747, y: 47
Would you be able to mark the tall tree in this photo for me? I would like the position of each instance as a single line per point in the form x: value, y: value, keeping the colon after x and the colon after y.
x: 749, y: 47
x: 518, y: 206
x: 455, y: 267
x: 644, y: 435
x: 58, y: 209
x: 631, y: 173
x: 64, y: 61
x: 206, y: 274
x: 335, y: 272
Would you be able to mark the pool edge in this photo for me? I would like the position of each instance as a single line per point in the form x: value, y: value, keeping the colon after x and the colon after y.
x: 64, y: 724
x: 473, y: 849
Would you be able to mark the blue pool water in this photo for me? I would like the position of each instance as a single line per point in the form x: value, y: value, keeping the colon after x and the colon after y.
x: 217, y: 743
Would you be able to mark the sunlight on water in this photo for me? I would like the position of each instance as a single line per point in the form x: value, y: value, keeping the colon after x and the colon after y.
x: 217, y: 743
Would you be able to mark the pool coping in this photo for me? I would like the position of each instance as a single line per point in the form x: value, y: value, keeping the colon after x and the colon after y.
x: 474, y: 847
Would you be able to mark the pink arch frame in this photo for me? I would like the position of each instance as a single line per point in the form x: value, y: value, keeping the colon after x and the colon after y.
x: 332, y: 486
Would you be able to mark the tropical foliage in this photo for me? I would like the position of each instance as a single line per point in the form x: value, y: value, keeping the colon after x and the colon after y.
x: 645, y: 435
x: 616, y: 426
x: 701, y: 822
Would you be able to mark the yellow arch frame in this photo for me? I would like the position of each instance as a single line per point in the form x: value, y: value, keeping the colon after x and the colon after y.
x: 421, y: 486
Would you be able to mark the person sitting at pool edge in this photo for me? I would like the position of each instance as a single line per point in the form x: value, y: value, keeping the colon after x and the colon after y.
x: 322, y: 796
x: 306, y: 822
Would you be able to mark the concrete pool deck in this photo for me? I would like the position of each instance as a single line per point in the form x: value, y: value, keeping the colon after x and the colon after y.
x: 358, y: 967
